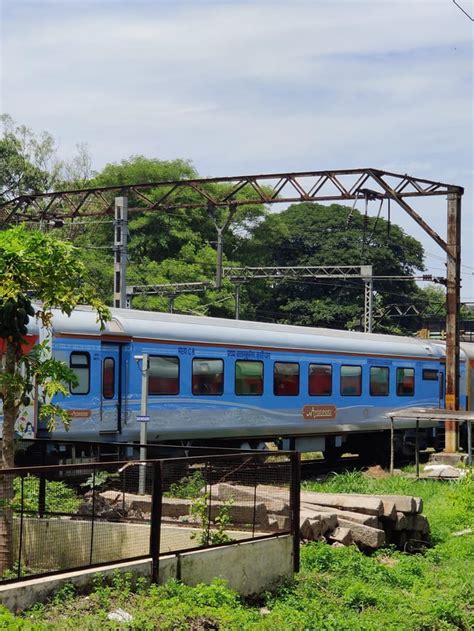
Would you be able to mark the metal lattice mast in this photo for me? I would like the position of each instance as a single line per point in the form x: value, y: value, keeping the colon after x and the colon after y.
x: 120, y: 252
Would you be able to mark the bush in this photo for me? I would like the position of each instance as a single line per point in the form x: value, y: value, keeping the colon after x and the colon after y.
x: 60, y: 497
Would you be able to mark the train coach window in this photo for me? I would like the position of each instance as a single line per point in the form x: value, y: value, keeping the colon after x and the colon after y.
x: 286, y: 379
x: 320, y: 380
x: 108, y: 378
x: 430, y: 374
x: 80, y: 365
x: 208, y: 376
x: 248, y: 378
x: 379, y: 381
x: 351, y: 381
x: 405, y: 382
x: 163, y: 375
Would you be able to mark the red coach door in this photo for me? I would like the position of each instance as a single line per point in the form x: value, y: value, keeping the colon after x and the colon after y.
x: 112, y: 388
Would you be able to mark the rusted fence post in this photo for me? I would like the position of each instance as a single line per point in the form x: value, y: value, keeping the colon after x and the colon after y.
x: 91, y: 555
x: 42, y: 495
x: 155, y: 517
x: 22, y: 510
x: 295, y: 507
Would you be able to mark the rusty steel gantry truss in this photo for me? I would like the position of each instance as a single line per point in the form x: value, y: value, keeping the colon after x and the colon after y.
x: 309, y: 186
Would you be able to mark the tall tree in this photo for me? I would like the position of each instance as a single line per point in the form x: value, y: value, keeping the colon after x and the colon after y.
x: 178, y: 244
x: 431, y: 301
x: 29, y: 162
x: 314, y: 234
x: 25, y: 160
x: 33, y: 264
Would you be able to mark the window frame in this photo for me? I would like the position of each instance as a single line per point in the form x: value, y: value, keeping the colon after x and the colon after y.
x: 332, y: 379
x: 387, y: 369
x: 360, y: 380
x: 412, y: 394
x: 87, y: 367
x: 294, y: 363
x: 430, y: 370
x: 251, y: 394
x: 208, y: 359
x: 163, y: 394
x: 104, y: 396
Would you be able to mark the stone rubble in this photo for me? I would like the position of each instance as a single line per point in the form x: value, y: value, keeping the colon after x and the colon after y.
x: 367, y: 521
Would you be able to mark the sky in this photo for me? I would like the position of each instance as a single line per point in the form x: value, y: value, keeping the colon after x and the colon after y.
x: 260, y: 86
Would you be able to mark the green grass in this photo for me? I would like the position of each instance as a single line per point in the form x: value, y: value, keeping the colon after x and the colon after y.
x: 337, y: 588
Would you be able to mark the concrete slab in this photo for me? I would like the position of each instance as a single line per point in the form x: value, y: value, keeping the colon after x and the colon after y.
x: 20, y: 596
x: 449, y: 459
x: 443, y: 471
x: 248, y: 567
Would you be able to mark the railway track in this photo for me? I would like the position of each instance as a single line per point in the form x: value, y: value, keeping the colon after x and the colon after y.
x: 309, y: 468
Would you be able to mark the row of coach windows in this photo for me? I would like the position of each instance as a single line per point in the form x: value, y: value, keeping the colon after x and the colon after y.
x: 208, y: 378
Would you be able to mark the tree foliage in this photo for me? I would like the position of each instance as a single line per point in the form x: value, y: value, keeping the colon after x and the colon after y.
x: 311, y: 234
x: 35, y: 264
x: 29, y: 162
x: 176, y: 245
x: 23, y: 160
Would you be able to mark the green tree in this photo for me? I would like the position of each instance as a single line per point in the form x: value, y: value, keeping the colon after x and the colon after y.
x: 24, y: 160
x: 190, y: 264
x: 29, y: 162
x: 314, y: 234
x: 33, y: 264
x: 178, y: 244
x: 431, y: 301
x: 155, y: 235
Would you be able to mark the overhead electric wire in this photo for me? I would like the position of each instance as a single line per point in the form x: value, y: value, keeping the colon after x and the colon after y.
x: 461, y: 9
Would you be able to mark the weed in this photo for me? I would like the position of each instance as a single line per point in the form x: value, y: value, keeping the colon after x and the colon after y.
x: 9, y: 621
x: 98, y: 479
x: 188, y: 487
x: 13, y: 572
x: 65, y: 594
x: 358, y: 596
x: 207, y: 536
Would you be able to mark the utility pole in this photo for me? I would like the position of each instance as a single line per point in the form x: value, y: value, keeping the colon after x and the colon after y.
x: 452, y: 316
x: 237, y: 301
x: 143, y: 422
x: 219, y: 256
x: 211, y: 209
x: 367, y: 275
x: 120, y: 252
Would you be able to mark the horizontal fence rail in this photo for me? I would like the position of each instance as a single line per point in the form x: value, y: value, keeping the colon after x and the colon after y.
x: 58, y: 518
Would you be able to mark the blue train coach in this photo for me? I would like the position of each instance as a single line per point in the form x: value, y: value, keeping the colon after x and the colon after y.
x: 216, y: 381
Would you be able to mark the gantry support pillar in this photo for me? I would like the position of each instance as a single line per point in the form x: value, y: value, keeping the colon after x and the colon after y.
x: 452, y: 315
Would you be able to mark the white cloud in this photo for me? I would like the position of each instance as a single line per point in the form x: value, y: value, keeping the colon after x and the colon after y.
x: 251, y: 86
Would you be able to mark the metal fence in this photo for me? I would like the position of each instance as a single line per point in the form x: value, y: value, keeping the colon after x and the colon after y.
x: 68, y: 517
